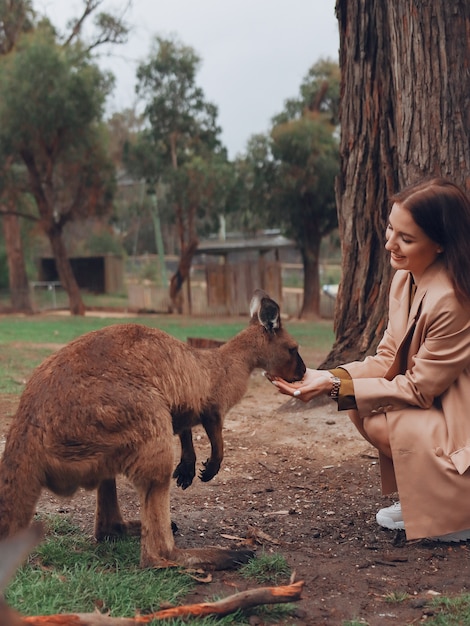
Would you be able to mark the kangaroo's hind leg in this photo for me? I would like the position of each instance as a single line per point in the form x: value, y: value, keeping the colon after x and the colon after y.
x: 151, y: 473
x: 109, y: 523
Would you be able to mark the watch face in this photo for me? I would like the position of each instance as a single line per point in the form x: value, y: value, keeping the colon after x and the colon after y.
x: 336, y: 386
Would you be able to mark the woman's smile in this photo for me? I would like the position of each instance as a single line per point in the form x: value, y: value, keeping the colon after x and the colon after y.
x: 409, y: 246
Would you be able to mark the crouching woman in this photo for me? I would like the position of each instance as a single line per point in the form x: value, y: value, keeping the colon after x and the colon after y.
x: 411, y: 400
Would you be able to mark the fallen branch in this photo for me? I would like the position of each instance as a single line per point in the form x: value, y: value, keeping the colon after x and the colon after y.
x: 14, y: 549
x: 242, y: 600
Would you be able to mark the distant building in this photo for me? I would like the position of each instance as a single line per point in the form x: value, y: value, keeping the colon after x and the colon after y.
x: 97, y: 274
x: 236, y: 266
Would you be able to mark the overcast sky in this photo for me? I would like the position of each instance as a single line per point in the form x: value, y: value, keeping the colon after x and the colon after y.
x: 254, y: 53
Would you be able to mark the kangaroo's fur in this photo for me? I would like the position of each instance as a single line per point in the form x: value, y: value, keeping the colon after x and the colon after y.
x: 109, y: 403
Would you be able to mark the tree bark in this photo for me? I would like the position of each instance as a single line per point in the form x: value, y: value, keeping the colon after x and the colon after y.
x: 311, y: 299
x: 18, y: 279
x: 64, y: 269
x: 53, y: 230
x: 180, y: 276
x: 404, y: 115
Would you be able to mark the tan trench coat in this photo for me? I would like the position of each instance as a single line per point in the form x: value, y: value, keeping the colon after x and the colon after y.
x: 420, y: 380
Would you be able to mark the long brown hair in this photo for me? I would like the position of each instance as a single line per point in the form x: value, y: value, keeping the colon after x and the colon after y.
x: 442, y: 210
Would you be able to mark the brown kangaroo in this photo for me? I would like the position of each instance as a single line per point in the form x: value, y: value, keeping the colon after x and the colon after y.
x: 109, y: 403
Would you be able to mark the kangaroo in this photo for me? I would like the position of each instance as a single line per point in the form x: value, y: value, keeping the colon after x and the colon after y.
x: 110, y: 402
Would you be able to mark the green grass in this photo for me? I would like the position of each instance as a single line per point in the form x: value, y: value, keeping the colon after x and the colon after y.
x: 16, y: 364
x: 68, y: 572
x: 450, y: 611
x: 27, y: 341
x: 267, y: 569
x: 61, y: 329
x: 64, y: 328
x: 396, y: 597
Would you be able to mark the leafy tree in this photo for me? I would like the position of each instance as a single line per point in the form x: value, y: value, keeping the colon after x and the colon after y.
x: 52, y: 101
x: 200, y: 189
x: 404, y: 116
x: 251, y: 191
x: 108, y: 28
x: 303, y: 199
x: 123, y: 131
x: 16, y: 18
x: 289, y: 177
x: 182, y: 125
x: 145, y: 167
x: 319, y: 91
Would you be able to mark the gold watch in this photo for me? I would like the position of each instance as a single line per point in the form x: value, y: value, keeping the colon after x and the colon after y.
x: 334, y: 393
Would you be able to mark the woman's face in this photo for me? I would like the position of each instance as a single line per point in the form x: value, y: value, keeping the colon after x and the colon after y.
x: 409, y: 246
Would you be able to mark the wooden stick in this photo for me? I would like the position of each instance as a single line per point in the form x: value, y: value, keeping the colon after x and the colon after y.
x: 242, y: 600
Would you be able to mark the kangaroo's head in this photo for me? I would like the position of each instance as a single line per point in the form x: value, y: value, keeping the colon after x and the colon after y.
x: 279, y: 355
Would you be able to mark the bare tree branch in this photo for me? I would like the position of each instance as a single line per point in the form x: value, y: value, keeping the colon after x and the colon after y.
x: 111, y: 29
x: 90, y: 6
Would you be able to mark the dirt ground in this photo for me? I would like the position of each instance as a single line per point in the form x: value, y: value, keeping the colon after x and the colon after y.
x: 297, y: 480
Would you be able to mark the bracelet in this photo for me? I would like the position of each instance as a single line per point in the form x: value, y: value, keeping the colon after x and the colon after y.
x: 334, y: 393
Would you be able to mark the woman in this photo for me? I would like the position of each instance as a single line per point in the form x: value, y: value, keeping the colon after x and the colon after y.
x: 411, y: 400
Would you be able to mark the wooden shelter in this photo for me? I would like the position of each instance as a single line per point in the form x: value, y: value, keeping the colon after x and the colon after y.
x: 235, y: 267
x: 98, y: 274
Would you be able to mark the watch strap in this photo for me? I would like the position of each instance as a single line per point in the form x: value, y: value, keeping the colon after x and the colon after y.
x: 334, y: 393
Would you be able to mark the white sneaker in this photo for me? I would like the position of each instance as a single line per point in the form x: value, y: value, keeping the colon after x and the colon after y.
x: 463, y: 535
x: 391, y: 517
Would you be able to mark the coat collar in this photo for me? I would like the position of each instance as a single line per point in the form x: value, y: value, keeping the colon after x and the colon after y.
x: 405, y: 316
x: 427, y: 279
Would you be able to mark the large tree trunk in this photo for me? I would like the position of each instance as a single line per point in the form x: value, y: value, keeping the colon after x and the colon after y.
x: 180, y: 276
x: 18, y: 279
x: 189, y: 242
x: 64, y: 269
x: 53, y: 230
x: 311, y: 299
x: 404, y: 115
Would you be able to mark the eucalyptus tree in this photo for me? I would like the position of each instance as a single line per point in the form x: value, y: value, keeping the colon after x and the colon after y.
x: 290, y: 174
x: 200, y: 187
x: 181, y: 126
x: 16, y: 18
x: 255, y: 174
x: 50, y: 126
x: 404, y: 115
x: 50, y: 110
x: 306, y: 157
x: 319, y: 91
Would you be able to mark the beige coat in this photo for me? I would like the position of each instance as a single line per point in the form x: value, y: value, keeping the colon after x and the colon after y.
x: 420, y: 380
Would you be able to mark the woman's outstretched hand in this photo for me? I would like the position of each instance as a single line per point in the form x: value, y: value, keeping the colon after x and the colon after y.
x: 314, y: 383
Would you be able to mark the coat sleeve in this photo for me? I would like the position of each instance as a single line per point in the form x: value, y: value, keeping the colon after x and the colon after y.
x: 443, y: 354
x: 377, y: 365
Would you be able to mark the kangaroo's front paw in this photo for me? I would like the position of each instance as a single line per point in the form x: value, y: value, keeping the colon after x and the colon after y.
x: 211, y: 468
x: 184, y: 474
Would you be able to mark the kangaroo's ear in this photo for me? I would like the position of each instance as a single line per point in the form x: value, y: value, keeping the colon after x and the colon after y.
x: 267, y: 311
